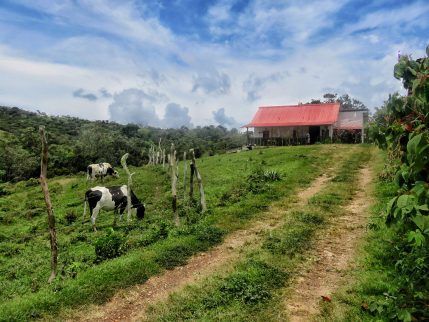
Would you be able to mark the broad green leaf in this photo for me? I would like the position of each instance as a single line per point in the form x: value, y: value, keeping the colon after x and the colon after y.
x: 412, y: 71
x: 390, y: 204
x: 416, y: 237
x: 413, y: 143
x: 405, y: 316
x: 405, y: 200
x: 422, y: 223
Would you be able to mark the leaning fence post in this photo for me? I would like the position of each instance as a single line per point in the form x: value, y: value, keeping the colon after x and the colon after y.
x: 51, y: 218
x: 130, y: 181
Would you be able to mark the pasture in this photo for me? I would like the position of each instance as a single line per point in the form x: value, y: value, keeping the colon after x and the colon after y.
x: 235, y: 194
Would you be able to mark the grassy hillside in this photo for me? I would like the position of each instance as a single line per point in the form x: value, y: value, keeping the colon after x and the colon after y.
x: 236, y: 192
x: 74, y: 143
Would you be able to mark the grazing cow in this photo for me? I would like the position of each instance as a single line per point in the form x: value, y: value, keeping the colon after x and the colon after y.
x: 100, y: 170
x: 110, y: 198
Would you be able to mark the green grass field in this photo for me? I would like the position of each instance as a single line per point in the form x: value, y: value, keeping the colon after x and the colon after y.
x: 256, y: 288
x: 151, y: 245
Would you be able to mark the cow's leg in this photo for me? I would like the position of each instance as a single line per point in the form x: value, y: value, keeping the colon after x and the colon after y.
x: 94, y: 214
x: 122, y: 207
x: 115, y: 215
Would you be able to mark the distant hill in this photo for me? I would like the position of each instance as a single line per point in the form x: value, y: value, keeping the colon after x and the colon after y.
x: 74, y: 143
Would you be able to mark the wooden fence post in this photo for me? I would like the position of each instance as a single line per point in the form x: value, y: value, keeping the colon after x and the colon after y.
x: 184, y: 175
x: 174, y: 184
x: 200, y: 183
x: 51, y: 218
x: 130, y: 181
x: 191, y: 178
x: 163, y: 158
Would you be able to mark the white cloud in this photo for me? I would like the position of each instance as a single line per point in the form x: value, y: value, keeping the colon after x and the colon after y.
x: 212, y: 82
x: 144, y: 66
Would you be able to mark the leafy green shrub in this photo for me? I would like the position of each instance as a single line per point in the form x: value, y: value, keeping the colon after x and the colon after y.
x: 209, y: 235
x: 253, y: 284
x: 233, y: 195
x: 402, y: 128
x: 272, y: 175
x: 109, y: 246
x: 256, y: 181
x: 4, y: 191
x: 79, y: 237
x: 32, y: 182
x: 31, y: 213
x: 289, y: 241
x: 310, y: 218
x: 155, y: 233
x: 326, y: 200
x: 173, y: 256
x: 10, y: 249
x: 70, y: 217
x: 72, y: 269
x: 3, y: 238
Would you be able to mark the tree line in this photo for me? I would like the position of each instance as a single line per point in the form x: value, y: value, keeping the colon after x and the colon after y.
x: 74, y: 143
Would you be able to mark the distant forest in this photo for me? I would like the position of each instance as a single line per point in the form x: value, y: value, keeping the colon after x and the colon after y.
x: 74, y: 143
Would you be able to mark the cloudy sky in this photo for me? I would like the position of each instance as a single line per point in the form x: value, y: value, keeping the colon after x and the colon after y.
x: 195, y: 62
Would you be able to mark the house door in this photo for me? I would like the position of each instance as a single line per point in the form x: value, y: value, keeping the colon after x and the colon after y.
x: 266, y: 135
x: 314, y: 134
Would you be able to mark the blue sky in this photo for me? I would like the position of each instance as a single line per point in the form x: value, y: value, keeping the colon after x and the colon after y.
x: 195, y: 62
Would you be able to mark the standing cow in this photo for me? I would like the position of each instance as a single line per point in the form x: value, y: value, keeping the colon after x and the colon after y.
x: 110, y: 198
x: 100, y: 170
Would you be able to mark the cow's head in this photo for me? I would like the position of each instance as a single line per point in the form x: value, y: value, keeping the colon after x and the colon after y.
x: 113, y: 172
x: 140, y: 211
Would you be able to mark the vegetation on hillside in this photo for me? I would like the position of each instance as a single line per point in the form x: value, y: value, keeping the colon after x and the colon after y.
x: 74, y: 143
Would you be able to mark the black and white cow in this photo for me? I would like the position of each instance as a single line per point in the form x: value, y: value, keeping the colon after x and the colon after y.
x: 110, y: 198
x: 100, y: 170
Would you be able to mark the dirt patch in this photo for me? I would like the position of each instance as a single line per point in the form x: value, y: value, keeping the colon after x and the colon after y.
x: 130, y: 304
x: 334, y: 252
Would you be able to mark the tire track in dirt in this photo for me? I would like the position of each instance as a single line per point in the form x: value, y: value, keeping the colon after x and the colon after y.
x: 131, y: 304
x: 334, y: 252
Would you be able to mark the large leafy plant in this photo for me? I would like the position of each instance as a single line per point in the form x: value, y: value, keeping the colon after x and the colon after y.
x: 402, y: 127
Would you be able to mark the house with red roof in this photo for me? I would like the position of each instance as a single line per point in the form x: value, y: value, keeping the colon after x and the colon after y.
x: 305, y: 123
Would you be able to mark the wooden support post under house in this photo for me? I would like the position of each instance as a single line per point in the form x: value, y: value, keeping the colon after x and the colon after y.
x: 130, y: 181
x: 50, y: 211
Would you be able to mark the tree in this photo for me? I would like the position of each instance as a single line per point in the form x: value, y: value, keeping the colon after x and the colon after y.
x: 347, y: 103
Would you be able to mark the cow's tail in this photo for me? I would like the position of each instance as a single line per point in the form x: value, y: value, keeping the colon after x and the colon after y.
x: 84, y: 208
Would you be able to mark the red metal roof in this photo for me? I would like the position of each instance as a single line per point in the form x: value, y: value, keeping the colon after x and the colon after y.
x: 295, y: 115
